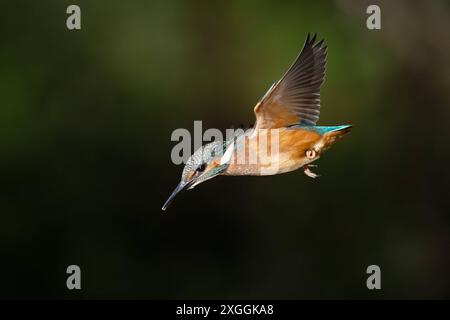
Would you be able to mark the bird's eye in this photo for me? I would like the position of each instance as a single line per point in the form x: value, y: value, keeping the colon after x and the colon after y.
x: 201, y: 167
x: 310, y: 154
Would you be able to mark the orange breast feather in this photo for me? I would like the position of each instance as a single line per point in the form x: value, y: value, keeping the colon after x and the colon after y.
x: 253, y: 158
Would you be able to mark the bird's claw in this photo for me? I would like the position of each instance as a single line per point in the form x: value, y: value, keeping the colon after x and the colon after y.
x: 308, y: 172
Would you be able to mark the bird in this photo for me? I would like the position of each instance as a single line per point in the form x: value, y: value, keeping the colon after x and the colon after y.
x: 286, y: 114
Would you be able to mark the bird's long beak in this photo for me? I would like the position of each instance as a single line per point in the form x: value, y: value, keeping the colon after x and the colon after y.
x: 181, y: 187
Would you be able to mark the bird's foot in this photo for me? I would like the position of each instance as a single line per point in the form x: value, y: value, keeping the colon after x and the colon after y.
x: 308, y: 172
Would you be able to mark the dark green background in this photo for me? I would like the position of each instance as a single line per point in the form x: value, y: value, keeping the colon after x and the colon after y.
x: 85, y: 124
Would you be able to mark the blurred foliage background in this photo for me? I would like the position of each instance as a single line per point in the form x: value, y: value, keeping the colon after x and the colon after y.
x: 86, y: 118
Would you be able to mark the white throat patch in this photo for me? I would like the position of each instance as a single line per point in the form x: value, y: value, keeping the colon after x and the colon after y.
x: 227, y: 155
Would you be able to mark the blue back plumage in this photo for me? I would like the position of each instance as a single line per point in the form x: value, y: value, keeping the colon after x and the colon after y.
x: 322, y: 129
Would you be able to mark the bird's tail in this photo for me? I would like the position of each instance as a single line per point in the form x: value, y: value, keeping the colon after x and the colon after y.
x: 332, y: 134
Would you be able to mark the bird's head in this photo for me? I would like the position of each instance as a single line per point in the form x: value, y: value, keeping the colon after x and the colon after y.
x: 206, y: 163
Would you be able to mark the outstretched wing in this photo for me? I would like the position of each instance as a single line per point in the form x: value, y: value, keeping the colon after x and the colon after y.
x: 296, y: 97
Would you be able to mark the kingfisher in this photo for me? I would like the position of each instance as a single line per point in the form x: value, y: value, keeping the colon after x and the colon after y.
x: 286, y: 118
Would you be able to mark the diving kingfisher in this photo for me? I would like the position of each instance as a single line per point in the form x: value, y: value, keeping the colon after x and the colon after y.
x: 288, y: 112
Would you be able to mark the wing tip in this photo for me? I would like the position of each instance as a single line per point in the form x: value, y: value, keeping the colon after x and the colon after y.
x: 311, y: 42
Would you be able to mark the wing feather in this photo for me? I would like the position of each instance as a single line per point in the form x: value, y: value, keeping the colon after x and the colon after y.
x: 295, y: 99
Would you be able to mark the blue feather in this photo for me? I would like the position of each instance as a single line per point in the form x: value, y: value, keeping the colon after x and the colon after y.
x: 323, y: 129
